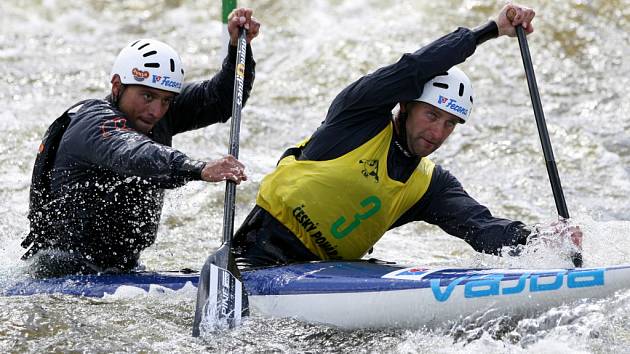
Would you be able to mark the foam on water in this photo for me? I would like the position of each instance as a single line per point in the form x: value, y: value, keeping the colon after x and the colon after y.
x: 156, y: 291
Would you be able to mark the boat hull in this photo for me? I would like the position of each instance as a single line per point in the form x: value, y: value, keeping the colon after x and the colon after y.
x: 369, y: 295
x: 348, y: 295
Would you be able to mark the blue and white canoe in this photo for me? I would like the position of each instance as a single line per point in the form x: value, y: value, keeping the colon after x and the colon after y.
x: 372, y: 295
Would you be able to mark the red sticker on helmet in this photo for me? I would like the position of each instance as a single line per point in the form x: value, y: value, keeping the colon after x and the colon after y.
x: 139, y: 75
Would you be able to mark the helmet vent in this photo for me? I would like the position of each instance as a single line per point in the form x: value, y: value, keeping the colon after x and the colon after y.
x: 148, y: 54
x: 172, y: 65
x: 142, y: 46
x: 134, y: 43
x: 441, y: 85
x: 151, y: 65
x: 471, y: 101
x: 461, y: 89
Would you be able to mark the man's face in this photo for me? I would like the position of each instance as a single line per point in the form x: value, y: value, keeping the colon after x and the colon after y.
x: 144, y: 106
x: 427, y: 128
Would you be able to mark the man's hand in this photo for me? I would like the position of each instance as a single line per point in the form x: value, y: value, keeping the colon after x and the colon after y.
x: 242, y: 17
x: 565, y: 231
x: 225, y: 168
x: 558, y: 233
x: 519, y: 16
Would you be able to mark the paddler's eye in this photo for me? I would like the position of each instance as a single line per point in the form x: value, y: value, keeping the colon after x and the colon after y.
x: 432, y: 115
x: 147, y: 97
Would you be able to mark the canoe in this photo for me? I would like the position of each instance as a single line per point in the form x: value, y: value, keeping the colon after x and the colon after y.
x: 363, y: 294
x: 103, y: 285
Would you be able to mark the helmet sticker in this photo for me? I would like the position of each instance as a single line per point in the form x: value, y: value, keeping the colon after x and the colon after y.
x: 139, y: 75
x: 166, y: 81
x: 452, y: 105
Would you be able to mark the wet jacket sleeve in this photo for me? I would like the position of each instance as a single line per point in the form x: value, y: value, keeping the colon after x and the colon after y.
x: 364, y: 108
x: 404, y: 80
x: 207, y: 102
x: 101, y: 139
x: 448, y: 206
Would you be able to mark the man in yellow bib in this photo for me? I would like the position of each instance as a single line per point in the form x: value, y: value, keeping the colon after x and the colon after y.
x: 362, y: 172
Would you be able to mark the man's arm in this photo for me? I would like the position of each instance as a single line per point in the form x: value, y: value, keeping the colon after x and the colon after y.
x: 448, y: 206
x: 404, y: 80
x: 207, y: 102
x: 364, y: 108
x: 98, y: 137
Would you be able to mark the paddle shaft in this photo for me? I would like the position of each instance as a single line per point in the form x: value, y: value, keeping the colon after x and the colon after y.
x: 552, y: 170
x: 550, y: 162
x: 235, y: 129
x: 219, y: 292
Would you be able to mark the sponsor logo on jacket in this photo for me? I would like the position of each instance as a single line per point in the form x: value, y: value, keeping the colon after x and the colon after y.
x: 112, y: 125
x: 313, y: 232
x: 370, y: 169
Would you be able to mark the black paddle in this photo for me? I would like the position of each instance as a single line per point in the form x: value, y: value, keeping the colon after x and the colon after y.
x: 552, y: 170
x: 220, y: 297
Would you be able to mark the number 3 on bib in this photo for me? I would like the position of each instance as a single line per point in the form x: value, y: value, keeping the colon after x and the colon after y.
x: 374, y: 205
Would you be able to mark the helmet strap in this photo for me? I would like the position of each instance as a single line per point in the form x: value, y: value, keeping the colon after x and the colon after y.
x: 401, y: 140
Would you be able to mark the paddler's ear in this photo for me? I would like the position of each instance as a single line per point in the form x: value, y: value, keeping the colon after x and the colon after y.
x: 116, y: 85
x: 401, y: 112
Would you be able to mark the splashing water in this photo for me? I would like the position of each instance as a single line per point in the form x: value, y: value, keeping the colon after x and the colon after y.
x: 55, y: 53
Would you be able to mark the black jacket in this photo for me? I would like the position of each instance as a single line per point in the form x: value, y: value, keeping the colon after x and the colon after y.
x: 363, y: 109
x: 107, y: 185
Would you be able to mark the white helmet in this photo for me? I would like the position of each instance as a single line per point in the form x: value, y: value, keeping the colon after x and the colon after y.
x: 450, y: 92
x: 150, y: 63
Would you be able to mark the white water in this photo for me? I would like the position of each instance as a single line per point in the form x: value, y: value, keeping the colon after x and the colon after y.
x: 53, y: 53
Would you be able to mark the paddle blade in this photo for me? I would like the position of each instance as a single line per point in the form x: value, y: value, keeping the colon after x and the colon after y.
x: 221, y: 300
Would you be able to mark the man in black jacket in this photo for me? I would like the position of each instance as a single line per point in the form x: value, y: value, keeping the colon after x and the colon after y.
x: 97, y: 203
x: 362, y: 172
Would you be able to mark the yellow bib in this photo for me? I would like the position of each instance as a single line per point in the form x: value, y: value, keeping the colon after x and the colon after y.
x: 339, y: 208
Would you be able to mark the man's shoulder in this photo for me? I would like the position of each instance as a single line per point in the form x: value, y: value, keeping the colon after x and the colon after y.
x: 443, y: 172
x: 94, y: 118
x: 95, y: 113
x: 443, y: 179
x: 94, y: 107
